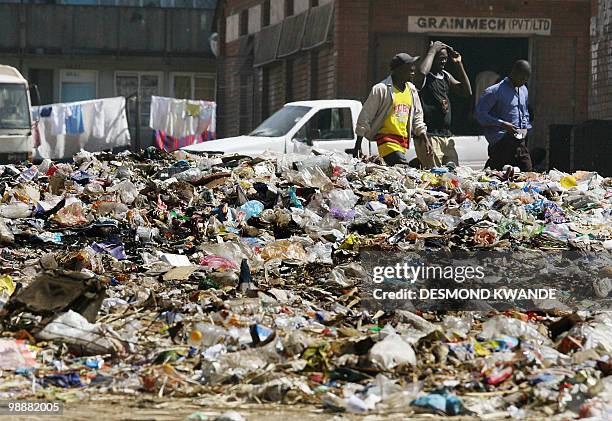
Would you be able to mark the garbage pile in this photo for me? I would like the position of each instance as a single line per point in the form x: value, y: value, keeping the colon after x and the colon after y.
x: 240, y: 278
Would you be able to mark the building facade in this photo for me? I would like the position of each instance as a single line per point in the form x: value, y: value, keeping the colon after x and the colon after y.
x: 600, y: 98
x: 85, y: 49
x: 363, y: 35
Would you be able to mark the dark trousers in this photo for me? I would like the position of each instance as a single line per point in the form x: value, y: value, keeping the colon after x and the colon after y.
x: 395, y: 158
x: 509, y: 151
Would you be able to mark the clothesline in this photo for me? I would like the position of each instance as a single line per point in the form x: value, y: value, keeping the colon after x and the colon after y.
x: 181, y: 118
x: 63, y: 129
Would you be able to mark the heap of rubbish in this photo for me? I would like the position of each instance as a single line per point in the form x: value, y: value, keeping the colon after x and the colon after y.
x: 243, y: 279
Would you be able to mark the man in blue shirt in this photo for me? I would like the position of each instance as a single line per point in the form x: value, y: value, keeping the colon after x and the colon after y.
x: 502, y: 111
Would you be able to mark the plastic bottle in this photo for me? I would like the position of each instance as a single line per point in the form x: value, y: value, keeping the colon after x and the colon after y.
x: 204, y: 335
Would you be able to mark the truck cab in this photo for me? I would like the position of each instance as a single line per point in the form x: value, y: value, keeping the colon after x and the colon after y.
x: 15, y: 116
x: 300, y: 126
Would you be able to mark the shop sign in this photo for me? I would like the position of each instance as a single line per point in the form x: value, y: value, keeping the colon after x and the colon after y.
x: 479, y: 25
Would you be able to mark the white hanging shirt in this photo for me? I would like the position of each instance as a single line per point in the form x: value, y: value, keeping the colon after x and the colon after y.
x: 58, y: 117
x: 98, y: 129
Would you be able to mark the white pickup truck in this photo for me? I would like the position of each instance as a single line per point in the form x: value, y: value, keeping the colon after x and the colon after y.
x: 325, y: 125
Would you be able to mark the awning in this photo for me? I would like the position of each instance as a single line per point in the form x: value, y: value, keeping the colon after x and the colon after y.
x: 266, y: 44
x: 292, y: 35
x: 318, y: 26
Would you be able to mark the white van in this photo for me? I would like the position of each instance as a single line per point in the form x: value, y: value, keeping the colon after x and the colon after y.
x: 322, y: 124
x: 15, y: 116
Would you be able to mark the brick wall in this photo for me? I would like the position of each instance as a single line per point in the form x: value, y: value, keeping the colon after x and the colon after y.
x: 302, y: 76
x: 600, y: 98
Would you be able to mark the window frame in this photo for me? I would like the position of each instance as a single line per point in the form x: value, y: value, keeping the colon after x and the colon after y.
x: 305, y: 125
x: 63, y: 78
x: 289, y: 8
x: 193, y: 76
x: 139, y: 74
x: 243, y: 22
x: 266, y: 11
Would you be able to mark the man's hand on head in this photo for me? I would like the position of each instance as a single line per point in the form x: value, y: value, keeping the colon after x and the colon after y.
x: 437, y: 46
x: 455, y: 57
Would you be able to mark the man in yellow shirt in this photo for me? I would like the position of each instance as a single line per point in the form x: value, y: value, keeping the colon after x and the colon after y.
x: 392, y: 113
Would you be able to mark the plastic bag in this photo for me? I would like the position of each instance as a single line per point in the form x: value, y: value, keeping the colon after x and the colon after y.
x: 86, y: 338
x: 501, y: 325
x: 192, y: 175
x: 342, y: 199
x: 320, y: 253
x: 252, y: 208
x: 392, y: 352
x: 234, y: 252
x: 7, y: 287
x: 128, y: 192
x: 218, y: 262
x: 15, y: 210
x: 6, y: 235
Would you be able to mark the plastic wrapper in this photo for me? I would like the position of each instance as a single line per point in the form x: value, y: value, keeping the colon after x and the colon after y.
x: 501, y: 325
x: 70, y: 216
x: 284, y: 249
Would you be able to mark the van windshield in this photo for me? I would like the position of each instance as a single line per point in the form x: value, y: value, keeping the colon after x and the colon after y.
x: 279, y: 123
x: 14, y: 110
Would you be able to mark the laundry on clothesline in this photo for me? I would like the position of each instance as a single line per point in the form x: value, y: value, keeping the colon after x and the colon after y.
x: 63, y: 129
x: 169, y: 143
x: 182, y: 118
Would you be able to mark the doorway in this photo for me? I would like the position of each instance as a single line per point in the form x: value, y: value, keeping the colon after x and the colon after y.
x: 480, y: 54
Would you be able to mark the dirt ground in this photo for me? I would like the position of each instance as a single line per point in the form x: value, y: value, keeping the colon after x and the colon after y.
x: 138, y: 410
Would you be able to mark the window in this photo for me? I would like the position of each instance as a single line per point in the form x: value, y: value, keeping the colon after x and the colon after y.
x: 190, y: 4
x: 255, y: 19
x: 193, y: 86
x: 14, y: 107
x: 78, y: 85
x: 328, y: 124
x: 43, y: 80
x: 314, y: 3
x: 300, y: 6
x: 265, y: 14
x: 244, y: 22
x: 277, y: 11
x: 232, y: 28
x: 288, y: 8
x: 279, y: 123
x: 145, y: 84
